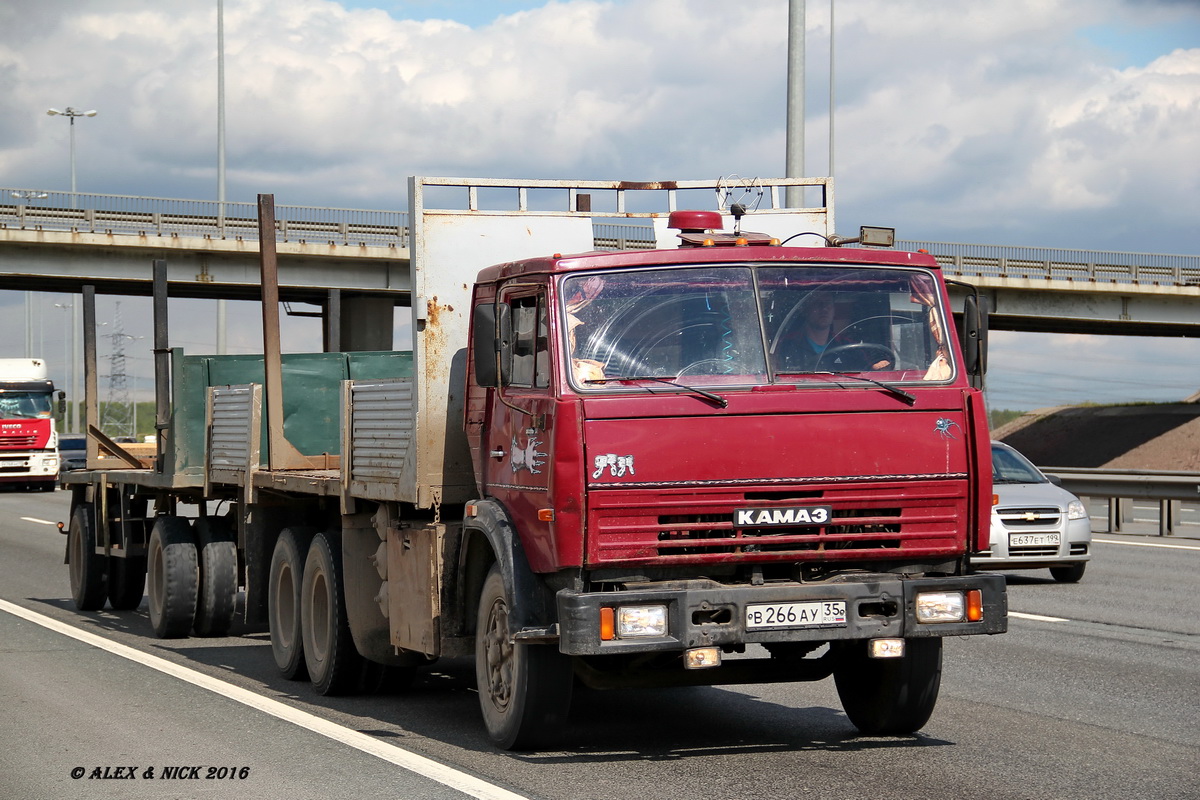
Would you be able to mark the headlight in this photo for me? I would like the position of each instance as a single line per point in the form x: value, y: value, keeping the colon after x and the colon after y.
x: 641, y: 621
x: 1075, y: 510
x: 941, y: 607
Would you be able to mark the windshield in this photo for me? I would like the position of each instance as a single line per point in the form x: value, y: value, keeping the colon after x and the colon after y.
x: 24, y: 405
x: 1009, y: 466
x: 742, y: 324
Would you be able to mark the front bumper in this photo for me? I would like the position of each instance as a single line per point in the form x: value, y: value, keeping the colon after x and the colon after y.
x: 702, y: 613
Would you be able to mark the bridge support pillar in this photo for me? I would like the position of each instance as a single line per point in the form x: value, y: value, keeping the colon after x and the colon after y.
x: 361, y: 323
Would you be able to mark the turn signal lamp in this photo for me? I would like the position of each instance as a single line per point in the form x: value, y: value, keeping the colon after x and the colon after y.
x: 608, y: 630
x: 934, y: 607
x: 975, y: 605
x: 546, y: 515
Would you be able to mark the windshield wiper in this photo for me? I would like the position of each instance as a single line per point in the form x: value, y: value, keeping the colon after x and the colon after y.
x: 907, y: 397
x: 714, y: 398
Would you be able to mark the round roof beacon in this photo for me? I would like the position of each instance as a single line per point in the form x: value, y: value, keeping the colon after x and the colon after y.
x: 694, y: 221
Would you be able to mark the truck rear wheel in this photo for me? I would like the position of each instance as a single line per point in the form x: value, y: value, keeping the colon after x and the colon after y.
x: 283, y: 601
x: 890, y: 696
x: 334, y: 665
x: 126, y: 582
x: 173, y: 577
x: 89, y: 572
x: 524, y: 690
x: 217, y: 598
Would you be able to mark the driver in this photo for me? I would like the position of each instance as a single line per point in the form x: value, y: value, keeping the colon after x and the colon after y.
x: 802, y: 351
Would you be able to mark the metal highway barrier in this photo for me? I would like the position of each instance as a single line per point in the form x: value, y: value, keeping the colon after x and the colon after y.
x: 1121, y: 488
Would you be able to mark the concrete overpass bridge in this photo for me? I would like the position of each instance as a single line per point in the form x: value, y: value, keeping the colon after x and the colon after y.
x: 346, y: 259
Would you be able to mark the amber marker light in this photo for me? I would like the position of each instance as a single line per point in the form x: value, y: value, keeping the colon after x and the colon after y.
x: 975, y: 605
x: 546, y: 515
x: 608, y: 625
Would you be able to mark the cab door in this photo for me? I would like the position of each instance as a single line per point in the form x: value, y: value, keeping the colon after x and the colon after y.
x: 518, y: 468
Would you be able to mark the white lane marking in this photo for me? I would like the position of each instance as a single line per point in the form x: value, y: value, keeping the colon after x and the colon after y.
x: 1149, y: 544
x: 39, y: 521
x: 1036, y: 617
x: 420, y: 765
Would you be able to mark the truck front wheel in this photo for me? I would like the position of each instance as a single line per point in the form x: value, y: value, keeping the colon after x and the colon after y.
x: 889, y: 696
x: 524, y: 690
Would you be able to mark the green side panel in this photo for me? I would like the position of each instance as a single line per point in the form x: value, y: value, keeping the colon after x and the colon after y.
x: 371, y: 366
x: 312, y: 385
x: 186, y: 436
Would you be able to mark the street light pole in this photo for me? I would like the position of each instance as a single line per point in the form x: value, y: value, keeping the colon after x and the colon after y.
x: 71, y: 114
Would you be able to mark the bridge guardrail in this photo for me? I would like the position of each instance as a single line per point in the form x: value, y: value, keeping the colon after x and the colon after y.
x: 1047, y: 263
x: 155, y: 216
x: 1121, y: 487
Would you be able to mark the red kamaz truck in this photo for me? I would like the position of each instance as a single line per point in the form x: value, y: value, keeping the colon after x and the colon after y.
x: 28, y: 438
x: 748, y: 453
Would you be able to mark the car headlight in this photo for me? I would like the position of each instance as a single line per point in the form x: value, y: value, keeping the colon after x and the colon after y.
x: 1075, y: 510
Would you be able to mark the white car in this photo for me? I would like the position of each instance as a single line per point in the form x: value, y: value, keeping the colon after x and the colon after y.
x: 1035, y: 523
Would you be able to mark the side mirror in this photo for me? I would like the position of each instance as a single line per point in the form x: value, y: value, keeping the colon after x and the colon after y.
x: 504, y: 341
x: 974, y: 338
x: 62, y: 402
x: 484, y: 344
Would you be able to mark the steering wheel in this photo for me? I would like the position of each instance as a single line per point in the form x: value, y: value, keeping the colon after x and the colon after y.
x: 858, y: 354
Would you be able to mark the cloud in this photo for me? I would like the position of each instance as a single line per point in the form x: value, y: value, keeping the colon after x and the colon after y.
x: 997, y: 121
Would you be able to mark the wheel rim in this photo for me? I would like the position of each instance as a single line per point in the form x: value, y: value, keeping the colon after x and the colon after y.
x: 498, y: 655
x: 76, y: 565
x: 285, y: 607
x: 155, y: 578
x: 320, y: 616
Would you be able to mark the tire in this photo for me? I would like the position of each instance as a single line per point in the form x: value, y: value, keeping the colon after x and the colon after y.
x: 334, y: 665
x: 173, y: 577
x: 88, y: 571
x: 217, y: 598
x: 524, y: 690
x: 283, y: 601
x: 1069, y: 574
x: 126, y: 582
x: 890, y: 696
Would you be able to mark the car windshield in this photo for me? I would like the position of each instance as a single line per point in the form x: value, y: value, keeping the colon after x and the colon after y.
x: 1009, y: 466
x: 24, y: 405
x: 744, y: 324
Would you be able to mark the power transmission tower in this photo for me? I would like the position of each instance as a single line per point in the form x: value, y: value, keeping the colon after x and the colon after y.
x: 117, y: 417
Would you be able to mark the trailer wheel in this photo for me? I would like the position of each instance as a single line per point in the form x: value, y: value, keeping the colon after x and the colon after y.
x: 890, y: 696
x: 334, y: 665
x: 524, y: 690
x: 283, y: 601
x: 173, y: 577
x: 126, y: 582
x: 89, y: 572
x: 217, y: 599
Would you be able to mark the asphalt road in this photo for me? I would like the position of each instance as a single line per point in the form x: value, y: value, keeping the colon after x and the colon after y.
x: 1093, y: 693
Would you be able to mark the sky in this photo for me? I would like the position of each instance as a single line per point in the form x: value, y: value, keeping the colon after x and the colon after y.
x: 1056, y: 123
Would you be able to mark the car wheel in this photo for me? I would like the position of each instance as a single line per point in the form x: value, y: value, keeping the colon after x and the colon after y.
x: 1070, y: 574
